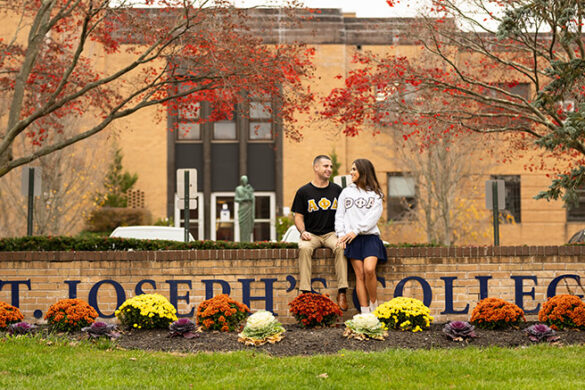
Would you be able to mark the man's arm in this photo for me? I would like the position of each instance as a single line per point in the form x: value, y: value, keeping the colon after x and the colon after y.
x: 299, y: 220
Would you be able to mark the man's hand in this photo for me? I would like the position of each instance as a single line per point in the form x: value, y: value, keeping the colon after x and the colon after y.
x: 306, y: 236
x: 343, y: 241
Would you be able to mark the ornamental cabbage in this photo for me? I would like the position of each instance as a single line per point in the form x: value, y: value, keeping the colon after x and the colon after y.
x: 99, y: 329
x: 541, y: 332
x: 459, y: 330
x: 363, y: 326
x: 260, y: 320
x: 261, y: 327
x: 183, y: 327
x: 20, y: 328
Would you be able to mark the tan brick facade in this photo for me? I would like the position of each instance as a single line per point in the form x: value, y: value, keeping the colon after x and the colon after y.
x: 454, y: 278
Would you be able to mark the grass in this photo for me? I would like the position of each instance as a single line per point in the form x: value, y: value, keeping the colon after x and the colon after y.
x: 36, y: 363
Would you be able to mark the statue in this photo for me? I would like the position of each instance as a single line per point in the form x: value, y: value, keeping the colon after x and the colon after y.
x: 245, y: 198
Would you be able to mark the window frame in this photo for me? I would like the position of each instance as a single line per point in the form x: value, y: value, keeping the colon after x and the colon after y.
x: 509, y: 183
x: 403, y: 216
x: 179, y: 119
x: 269, y: 119
x: 580, y: 205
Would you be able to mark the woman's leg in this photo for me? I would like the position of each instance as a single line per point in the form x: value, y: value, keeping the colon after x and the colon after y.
x: 371, y: 282
x: 360, y: 286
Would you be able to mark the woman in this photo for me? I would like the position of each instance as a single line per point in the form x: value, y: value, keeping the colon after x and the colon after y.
x: 358, y: 211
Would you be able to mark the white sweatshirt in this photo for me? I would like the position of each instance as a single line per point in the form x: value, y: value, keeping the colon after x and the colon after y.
x: 358, y: 211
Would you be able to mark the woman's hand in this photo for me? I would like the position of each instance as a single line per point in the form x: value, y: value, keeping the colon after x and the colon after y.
x: 343, y: 241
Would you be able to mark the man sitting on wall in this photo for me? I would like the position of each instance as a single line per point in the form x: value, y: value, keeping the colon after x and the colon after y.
x: 314, y: 209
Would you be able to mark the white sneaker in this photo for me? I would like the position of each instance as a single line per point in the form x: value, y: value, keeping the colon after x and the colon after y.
x: 373, y: 306
x: 364, y: 309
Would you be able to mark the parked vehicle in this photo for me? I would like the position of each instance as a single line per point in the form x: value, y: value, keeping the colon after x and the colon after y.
x: 151, y: 233
x: 293, y: 235
x: 578, y: 237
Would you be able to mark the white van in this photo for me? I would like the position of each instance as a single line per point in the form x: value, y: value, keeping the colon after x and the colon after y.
x: 151, y: 233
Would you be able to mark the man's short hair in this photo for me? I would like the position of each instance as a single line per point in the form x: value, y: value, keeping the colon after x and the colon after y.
x: 320, y: 157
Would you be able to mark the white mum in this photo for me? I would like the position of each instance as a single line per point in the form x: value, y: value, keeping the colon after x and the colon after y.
x: 366, y: 321
x: 260, y: 320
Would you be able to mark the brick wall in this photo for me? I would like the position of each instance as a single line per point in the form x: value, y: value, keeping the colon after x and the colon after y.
x: 450, y: 278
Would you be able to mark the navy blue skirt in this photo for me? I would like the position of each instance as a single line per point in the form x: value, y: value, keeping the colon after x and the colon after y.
x: 365, y: 246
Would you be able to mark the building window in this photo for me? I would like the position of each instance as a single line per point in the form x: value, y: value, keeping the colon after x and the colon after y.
x: 390, y: 99
x: 225, y: 130
x: 512, y: 213
x: 576, y: 211
x: 188, y: 131
x: 188, y: 114
x: 260, y: 121
x: 401, y: 196
x: 263, y: 210
x: 224, y: 216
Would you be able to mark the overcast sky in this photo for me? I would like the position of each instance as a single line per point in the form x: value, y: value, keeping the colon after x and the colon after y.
x: 362, y: 8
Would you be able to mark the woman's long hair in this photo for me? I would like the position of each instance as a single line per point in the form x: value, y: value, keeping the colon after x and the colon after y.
x: 367, y: 180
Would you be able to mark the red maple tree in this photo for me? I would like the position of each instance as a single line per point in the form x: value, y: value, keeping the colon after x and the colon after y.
x: 508, y: 68
x: 168, y: 53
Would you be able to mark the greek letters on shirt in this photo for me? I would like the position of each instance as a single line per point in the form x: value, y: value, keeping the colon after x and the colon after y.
x: 323, y: 204
x: 359, y: 202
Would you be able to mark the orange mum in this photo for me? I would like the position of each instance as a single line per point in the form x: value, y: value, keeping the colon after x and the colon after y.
x: 496, y: 313
x: 312, y: 310
x: 563, y: 311
x: 9, y: 315
x: 70, y: 314
x: 221, y: 313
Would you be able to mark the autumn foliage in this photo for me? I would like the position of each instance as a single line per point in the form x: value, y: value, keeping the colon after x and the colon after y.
x: 221, y: 313
x: 170, y: 54
x: 509, y: 69
x: 496, y: 313
x: 563, y: 311
x: 312, y: 310
x: 69, y: 315
x: 9, y: 315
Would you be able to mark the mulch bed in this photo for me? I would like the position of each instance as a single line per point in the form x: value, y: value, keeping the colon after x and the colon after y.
x: 299, y: 341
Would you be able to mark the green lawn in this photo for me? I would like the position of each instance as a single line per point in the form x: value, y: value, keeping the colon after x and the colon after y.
x: 29, y: 363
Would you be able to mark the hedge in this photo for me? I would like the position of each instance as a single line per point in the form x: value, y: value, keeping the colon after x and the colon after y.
x: 44, y: 243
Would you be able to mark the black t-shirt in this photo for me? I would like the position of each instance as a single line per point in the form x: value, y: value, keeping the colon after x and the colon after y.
x: 318, y: 206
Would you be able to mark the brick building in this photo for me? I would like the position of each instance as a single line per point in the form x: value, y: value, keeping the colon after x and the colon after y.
x: 277, y: 166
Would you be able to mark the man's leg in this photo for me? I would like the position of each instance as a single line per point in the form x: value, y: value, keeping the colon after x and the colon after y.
x: 306, y: 249
x: 330, y: 241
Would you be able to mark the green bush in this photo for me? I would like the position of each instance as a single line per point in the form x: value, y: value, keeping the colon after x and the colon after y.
x: 282, y: 225
x: 106, y: 219
x: 62, y: 243
x: 95, y: 242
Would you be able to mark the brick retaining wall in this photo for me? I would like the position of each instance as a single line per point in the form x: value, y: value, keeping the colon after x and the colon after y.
x: 451, y: 279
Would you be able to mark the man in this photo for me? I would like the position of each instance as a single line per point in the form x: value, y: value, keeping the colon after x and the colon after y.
x: 314, y: 209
